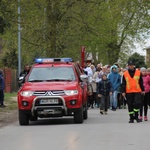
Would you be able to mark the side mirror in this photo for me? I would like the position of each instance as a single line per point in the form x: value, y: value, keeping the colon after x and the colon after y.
x: 21, y: 80
x: 84, y: 77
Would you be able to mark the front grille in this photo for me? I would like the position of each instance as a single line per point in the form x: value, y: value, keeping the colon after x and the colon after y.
x: 39, y: 93
x: 49, y: 93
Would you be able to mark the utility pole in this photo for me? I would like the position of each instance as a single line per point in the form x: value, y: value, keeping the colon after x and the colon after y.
x: 19, y: 40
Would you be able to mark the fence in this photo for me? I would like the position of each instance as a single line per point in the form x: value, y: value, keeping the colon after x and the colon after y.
x: 10, y: 77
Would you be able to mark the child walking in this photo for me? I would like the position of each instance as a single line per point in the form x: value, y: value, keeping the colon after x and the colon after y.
x: 104, y: 90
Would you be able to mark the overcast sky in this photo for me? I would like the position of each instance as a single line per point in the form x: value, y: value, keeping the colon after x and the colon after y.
x: 141, y: 46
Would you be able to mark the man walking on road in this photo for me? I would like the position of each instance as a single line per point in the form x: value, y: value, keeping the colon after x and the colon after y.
x: 132, y: 88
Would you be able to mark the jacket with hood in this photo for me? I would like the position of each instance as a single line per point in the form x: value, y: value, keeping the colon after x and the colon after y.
x: 146, y: 83
x: 115, y: 78
x: 104, y: 87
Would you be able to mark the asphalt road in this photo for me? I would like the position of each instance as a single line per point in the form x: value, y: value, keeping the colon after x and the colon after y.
x: 98, y: 132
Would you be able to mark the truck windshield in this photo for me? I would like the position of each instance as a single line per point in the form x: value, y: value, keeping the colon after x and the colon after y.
x: 51, y: 74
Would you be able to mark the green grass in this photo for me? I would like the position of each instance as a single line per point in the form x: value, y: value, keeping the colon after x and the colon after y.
x: 10, y: 100
x: 9, y: 95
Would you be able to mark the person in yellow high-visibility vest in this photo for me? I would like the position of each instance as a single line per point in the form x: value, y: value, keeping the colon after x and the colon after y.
x: 132, y: 88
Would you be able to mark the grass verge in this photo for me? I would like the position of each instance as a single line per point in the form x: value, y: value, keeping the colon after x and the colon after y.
x: 10, y: 100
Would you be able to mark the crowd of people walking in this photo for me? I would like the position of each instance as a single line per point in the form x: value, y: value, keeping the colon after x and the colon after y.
x: 113, y: 87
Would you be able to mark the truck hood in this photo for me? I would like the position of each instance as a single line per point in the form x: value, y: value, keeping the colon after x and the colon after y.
x: 36, y: 86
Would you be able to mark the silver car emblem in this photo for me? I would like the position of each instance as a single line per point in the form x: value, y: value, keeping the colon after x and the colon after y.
x: 48, y: 93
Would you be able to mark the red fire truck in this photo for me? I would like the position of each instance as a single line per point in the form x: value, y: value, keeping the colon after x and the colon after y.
x: 54, y: 87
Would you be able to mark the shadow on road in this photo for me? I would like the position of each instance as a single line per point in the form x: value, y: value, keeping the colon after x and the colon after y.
x: 52, y: 121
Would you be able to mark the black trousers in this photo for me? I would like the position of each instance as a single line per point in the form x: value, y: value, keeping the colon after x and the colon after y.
x: 134, y: 103
x: 1, y: 97
x: 104, y: 102
x: 120, y: 100
x: 144, y: 104
x: 95, y: 97
x: 90, y: 101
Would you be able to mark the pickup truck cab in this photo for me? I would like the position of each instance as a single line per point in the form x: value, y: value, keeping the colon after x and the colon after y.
x: 54, y: 87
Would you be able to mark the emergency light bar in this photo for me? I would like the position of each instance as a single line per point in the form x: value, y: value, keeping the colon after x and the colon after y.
x: 47, y: 60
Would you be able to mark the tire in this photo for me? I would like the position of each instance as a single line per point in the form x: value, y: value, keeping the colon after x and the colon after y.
x: 23, y: 118
x: 78, y: 116
x: 85, y: 112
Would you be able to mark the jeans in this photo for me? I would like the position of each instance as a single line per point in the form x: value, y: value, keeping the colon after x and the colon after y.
x: 114, y: 99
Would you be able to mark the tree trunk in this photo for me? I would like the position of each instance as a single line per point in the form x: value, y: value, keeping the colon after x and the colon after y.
x: 52, y: 12
x: 113, y: 53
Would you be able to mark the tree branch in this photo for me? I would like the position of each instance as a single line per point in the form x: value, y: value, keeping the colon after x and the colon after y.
x: 123, y: 36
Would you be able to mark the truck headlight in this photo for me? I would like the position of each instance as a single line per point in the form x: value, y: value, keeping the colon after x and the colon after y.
x: 26, y: 93
x: 71, y: 92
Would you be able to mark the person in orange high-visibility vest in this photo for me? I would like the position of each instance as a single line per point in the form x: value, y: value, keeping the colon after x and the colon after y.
x: 132, y: 88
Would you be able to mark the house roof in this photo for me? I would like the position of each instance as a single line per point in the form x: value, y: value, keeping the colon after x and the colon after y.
x: 147, y: 48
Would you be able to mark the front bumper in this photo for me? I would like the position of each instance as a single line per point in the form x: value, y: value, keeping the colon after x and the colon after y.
x: 49, y: 109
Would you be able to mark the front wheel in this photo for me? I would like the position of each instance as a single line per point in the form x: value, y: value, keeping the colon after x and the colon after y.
x: 78, y: 116
x: 23, y: 118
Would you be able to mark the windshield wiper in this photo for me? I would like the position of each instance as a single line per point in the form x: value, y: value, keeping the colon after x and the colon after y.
x: 59, y: 80
x: 35, y: 80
